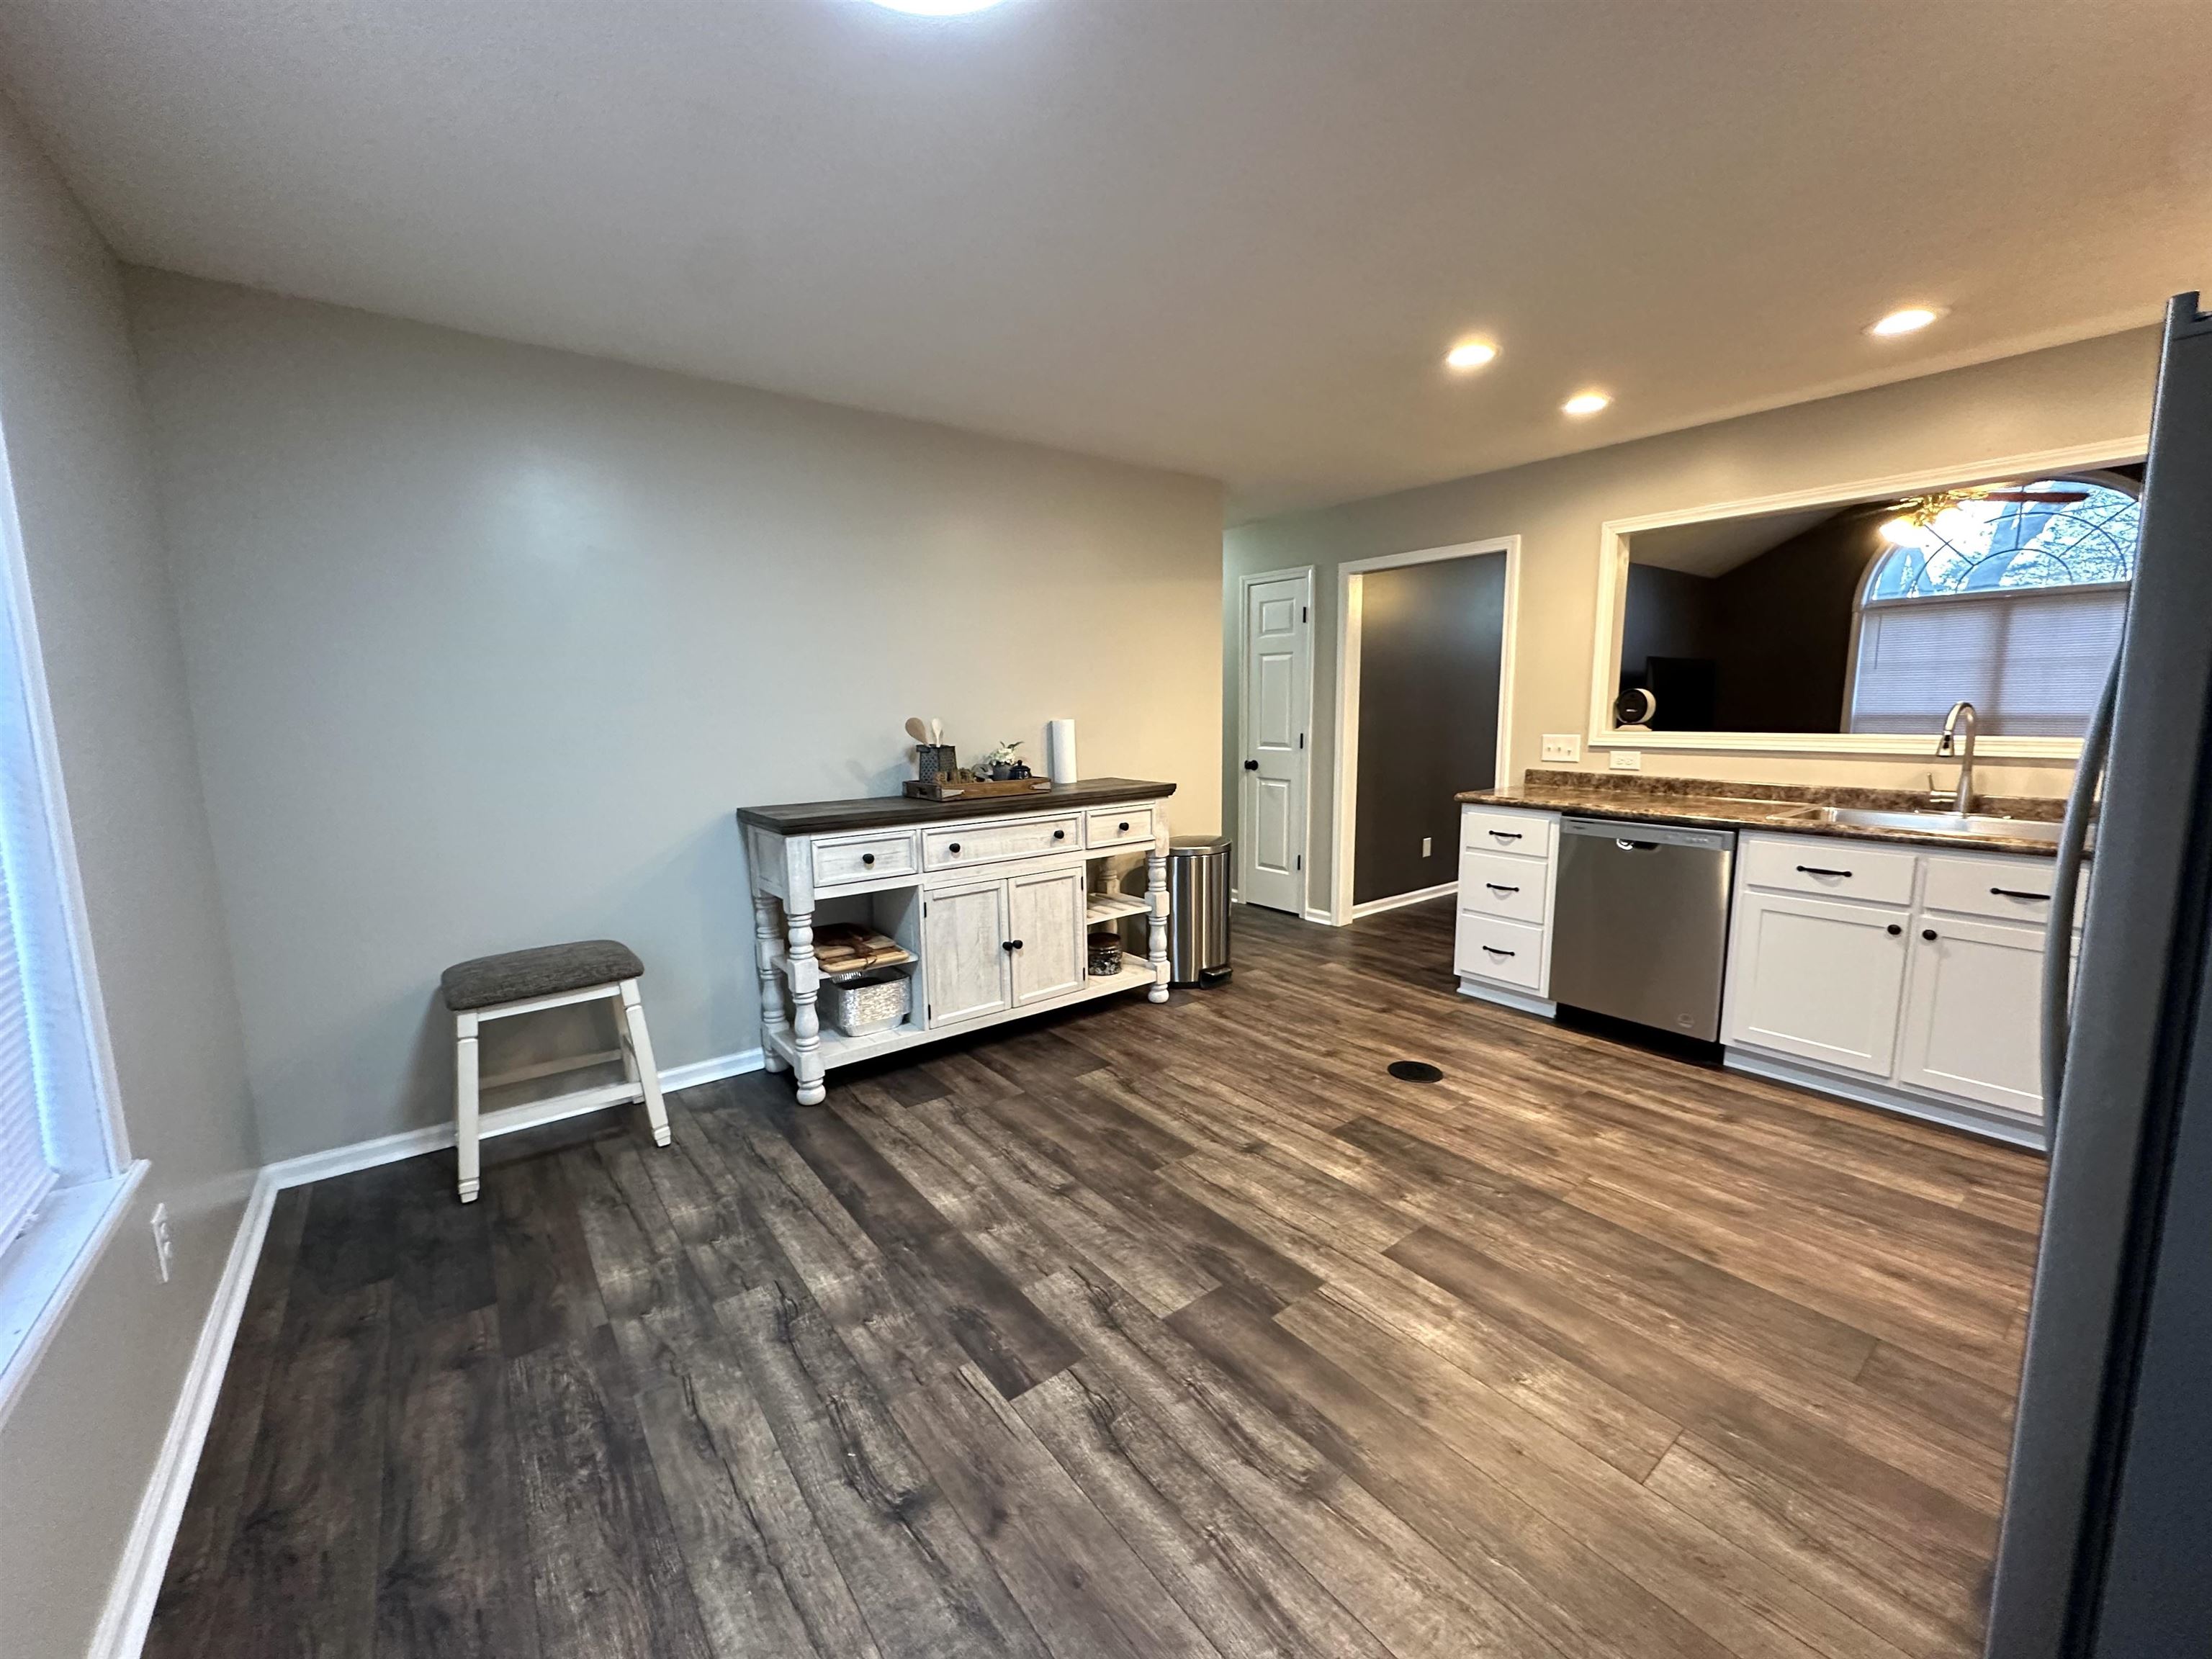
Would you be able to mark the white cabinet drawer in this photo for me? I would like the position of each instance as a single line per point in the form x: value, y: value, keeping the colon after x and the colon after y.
x: 1117, y: 824
x: 2001, y: 888
x: 865, y: 857
x: 958, y: 846
x: 1491, y: 884
x: 1829, y: 866
x: 1490, y: 947
x: 1525, y: 835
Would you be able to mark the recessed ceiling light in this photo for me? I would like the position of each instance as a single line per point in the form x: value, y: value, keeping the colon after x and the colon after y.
x: 1585, y: 403
x: 936, y: 8
x: 1469, y: 353
x: 1911, y: 320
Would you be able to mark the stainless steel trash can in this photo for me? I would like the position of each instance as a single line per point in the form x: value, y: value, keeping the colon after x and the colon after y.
x: 1197, y: 910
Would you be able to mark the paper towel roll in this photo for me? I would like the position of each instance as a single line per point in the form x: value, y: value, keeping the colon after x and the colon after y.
x: 1059, y: 751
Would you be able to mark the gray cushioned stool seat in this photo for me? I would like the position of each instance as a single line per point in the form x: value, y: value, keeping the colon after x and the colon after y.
x: 518, y: 975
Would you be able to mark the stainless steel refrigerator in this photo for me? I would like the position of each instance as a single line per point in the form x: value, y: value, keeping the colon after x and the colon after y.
x: 2106, y: 1548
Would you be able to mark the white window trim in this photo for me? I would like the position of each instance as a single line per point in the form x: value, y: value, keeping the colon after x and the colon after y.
x: 1612, y: 599
x: 45, y: 1267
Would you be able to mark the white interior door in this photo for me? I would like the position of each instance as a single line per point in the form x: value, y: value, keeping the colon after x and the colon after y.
x: 1271, y: 845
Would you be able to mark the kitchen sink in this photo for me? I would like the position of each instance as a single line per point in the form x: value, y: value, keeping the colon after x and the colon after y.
x: 1939, y: 824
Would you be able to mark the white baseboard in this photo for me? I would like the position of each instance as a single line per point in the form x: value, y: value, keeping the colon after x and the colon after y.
x: 1399, y: 901
x: 1506, y: 997
x: 1974, y: 1119
x: 1321, y: 917
x: 436, y: 1137
x: 137, y: 1583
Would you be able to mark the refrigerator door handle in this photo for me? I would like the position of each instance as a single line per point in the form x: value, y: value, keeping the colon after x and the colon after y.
x: 2065, y: 889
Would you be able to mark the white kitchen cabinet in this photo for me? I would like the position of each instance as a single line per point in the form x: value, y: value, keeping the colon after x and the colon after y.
x: 1972, y: 1026
x: 1822, y: 979
x: 1044, y: 913
x: 1502, y: 945
x: 964, y: 936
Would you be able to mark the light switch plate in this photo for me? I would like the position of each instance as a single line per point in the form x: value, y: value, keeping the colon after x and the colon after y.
x: 1627, y: 760
x: 1562, y: 746
x: 1425, y: 840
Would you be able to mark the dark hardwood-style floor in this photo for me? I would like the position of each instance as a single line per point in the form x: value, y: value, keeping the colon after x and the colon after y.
x: 1152, y: 1332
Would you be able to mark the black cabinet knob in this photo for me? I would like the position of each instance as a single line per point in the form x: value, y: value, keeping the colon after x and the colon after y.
x: 1927, y: 933
x: 1251, y: 766
x: 953, y: 847
x: 1060, y: 835
x: 1010, y: 945
x: 867, y: 857
x: 1123, y: 830
x: 1894, y: 930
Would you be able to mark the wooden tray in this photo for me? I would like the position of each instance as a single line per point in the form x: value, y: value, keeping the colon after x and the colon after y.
x: 963, y: 787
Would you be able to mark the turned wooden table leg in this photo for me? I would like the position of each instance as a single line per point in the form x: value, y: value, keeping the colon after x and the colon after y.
x: 805, y: 1024
x: 1156, y: 941
x: 768, y: 939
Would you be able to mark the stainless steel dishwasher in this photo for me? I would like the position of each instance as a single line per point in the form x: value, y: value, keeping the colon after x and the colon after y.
x: 1640, y: 929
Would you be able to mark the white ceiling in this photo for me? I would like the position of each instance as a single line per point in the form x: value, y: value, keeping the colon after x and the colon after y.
x: 1232, y: 237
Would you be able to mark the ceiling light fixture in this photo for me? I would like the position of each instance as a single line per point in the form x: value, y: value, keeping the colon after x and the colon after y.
x: 936, y: 8
x: 1585, y: 403
x: 1469, y: 353
x: 1911, y: 320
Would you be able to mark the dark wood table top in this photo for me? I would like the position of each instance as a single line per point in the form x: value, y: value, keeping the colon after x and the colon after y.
x: 888, y: 812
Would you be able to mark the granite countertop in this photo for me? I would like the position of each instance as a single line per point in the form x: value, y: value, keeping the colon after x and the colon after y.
x: 884, y: 812
x: 1708, y: 803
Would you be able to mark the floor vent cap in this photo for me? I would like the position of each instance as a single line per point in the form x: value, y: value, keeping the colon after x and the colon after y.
x: 1415, y: 1071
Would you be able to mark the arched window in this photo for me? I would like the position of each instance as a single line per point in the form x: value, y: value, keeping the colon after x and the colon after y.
x: 2011, y: 597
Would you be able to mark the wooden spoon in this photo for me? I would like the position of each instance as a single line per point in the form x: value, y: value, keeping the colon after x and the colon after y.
x: 916, y: 730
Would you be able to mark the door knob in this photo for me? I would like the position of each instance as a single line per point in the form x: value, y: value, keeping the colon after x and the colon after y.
x: 1251, y: 766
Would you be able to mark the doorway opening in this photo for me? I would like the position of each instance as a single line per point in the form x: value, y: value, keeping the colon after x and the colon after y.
x: 1424, y: 710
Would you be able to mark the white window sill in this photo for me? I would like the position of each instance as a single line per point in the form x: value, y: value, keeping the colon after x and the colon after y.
x: 42, y: 1272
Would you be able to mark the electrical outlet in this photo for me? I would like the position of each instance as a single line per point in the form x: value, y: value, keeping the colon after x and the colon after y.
x: 1627, y: 760
x: 165, y: 1249
x: 1562, y: 746
x: 1425, y: 840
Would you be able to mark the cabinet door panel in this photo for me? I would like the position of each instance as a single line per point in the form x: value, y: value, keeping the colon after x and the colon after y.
x: 1045, y: 913
x: 1971, y: 1024
x: 1816, y: 978
x: 964, y: 936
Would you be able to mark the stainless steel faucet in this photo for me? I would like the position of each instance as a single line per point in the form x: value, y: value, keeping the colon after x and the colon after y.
x: 1962, y: 799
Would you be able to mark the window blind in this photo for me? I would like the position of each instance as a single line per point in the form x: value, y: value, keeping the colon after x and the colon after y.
x: 27, y: 1170
x: 2032, y: 661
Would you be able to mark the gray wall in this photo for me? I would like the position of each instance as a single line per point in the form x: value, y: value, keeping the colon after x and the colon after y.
x: 485, y: 642
x: 2093, y: 391
x: 75, y: 1452
x: 1431, y: 635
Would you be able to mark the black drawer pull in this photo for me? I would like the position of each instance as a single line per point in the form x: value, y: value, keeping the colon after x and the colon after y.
x: 867, y: 857
x: 2017, y: 892
x: 1506, y: 835
x: 1060, y: 835
x: 1815, y: 869
x: 1496, y: 887
x: 953, y: 847
x: 1011, y: 945
x: 1496, y: 952
x: 1124, y: 829
x: 1894, y: 930
x: 1927, y: 933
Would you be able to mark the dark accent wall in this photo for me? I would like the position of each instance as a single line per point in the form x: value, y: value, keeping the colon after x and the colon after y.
x: 1776, y: 630
x: 1431, y: 637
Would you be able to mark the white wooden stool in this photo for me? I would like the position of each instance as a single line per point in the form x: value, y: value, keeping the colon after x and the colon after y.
x: 523, y: 983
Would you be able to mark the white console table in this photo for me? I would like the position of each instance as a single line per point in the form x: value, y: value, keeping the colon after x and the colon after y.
x: 991, y: 893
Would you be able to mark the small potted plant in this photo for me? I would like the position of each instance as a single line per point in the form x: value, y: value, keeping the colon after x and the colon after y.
x: 1001, y: 763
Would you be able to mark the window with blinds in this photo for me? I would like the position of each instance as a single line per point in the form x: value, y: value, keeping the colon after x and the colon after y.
x: 2011, y: 597
x: 2031, y: 661
x: 27, y: 1166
